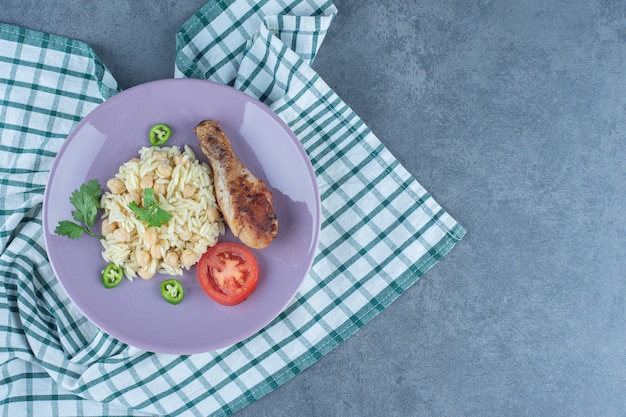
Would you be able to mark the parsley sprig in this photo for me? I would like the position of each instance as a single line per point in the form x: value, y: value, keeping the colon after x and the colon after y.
x: 150, y: 213
x: 86, y: 200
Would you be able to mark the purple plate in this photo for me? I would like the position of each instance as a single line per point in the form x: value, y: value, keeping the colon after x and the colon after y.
x: 111, y: 134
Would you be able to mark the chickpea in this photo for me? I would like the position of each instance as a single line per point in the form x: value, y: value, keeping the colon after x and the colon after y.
x: 145, y: 273
x: 180, y: 159
x: 143, y: 257
x: 132, y: 196
x: 108, y: 227
x: 165, y: 170
x: 156, y: 251
x: 188, y: 258
x: 185, y: 234
x: 147, y: 181
x: 160, y: 155
x: 160, y: 188
x: 151, y: 237
x: 116, y: 186
x: 171, y: 258
x: 212, y: 214
x: 120, y: 235
x: 189, y: 191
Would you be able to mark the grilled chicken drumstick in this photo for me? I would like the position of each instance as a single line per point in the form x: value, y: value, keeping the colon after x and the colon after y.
x: 245, y: 201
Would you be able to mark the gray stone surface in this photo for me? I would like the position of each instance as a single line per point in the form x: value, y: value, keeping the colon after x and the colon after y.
x: 512, y: 114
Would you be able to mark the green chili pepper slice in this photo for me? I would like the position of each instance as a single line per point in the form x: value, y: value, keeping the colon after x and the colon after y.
x: 159, y: 134
x: 112, y: 276
x: 172, y: 291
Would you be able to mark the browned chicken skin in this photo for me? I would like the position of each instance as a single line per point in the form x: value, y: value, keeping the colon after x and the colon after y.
x: 244, y: 200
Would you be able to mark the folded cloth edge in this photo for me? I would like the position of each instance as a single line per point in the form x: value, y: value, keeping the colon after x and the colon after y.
x: 106, y: 83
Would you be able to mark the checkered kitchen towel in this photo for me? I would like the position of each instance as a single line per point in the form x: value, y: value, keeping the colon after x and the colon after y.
x: 381, y: 230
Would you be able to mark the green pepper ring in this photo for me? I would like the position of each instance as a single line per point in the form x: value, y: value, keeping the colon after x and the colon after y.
x: 159, y: 134
x: 112, y: 276
x: 172, y: 291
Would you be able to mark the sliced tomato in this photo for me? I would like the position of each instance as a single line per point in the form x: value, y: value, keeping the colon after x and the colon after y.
x: 228, y: 272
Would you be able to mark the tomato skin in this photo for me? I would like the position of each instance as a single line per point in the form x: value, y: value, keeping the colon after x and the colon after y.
x: 228, y: 273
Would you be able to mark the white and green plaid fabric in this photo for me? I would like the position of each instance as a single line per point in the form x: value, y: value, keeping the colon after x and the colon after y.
x: 381, y: 230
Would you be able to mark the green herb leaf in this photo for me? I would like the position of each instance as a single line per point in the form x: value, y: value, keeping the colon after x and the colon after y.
x: 69, y: 229
x: 142, y: 213
x: 86, y: 207
x: 159, y: 217
x: 86, y: 200
x: 92, y: 188
x: 148, y: 197
x: 150, y: 213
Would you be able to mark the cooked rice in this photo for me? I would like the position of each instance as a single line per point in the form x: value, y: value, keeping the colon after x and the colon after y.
x: 195, y: 224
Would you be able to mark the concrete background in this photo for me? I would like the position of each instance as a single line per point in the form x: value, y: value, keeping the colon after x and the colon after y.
x: 512, y: 114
